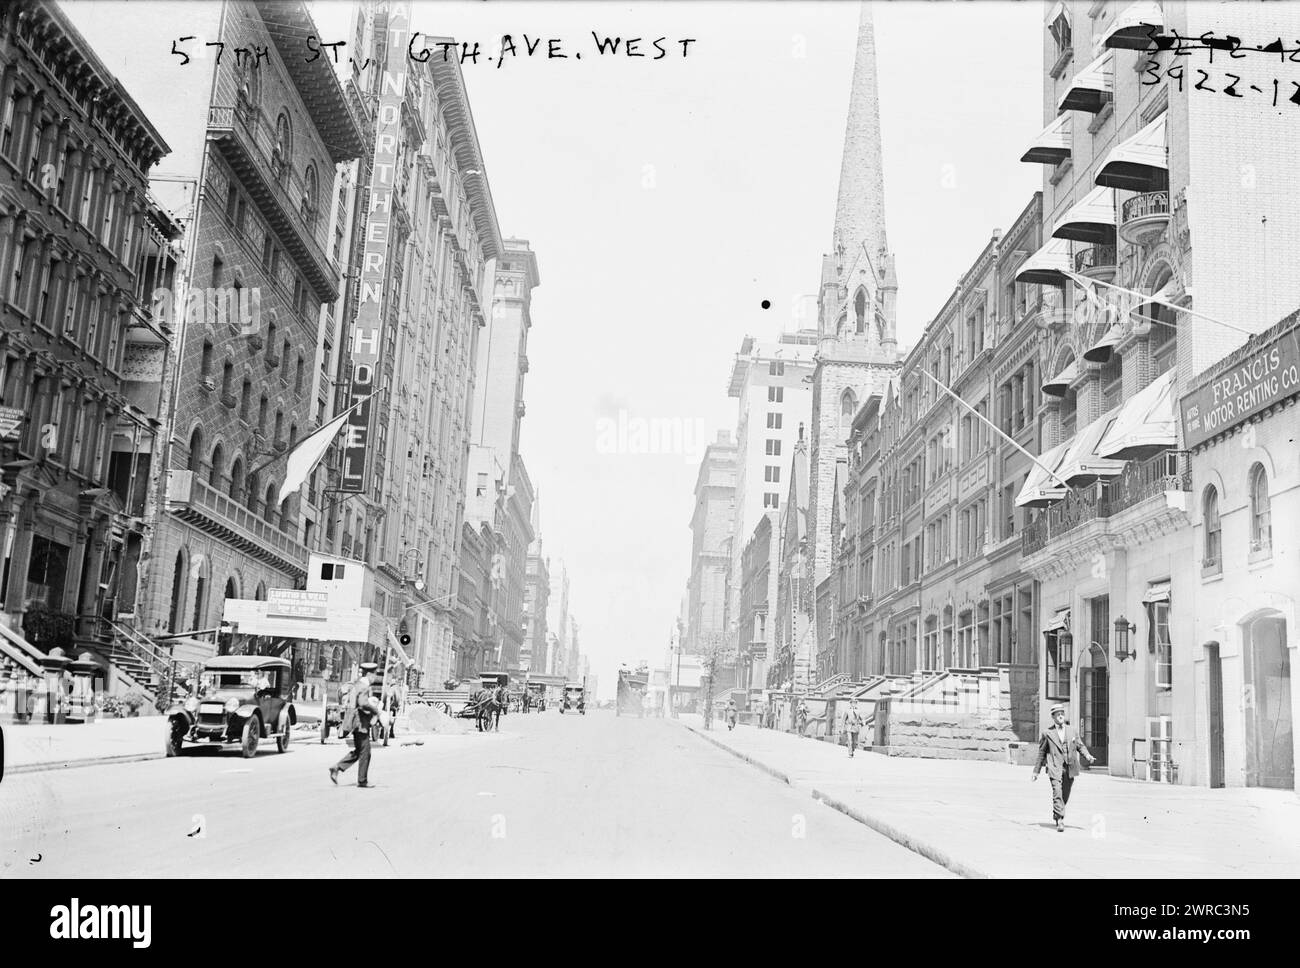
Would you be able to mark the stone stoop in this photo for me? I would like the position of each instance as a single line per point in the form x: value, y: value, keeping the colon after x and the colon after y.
x: 966, y: 738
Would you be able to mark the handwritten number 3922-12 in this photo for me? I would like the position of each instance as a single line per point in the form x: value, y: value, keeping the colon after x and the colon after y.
x: 1151, y: 76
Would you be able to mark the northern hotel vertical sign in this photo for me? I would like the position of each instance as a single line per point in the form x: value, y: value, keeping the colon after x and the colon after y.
x: 368, y: 325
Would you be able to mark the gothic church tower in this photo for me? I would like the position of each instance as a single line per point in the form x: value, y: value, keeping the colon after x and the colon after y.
x: 857, y: 346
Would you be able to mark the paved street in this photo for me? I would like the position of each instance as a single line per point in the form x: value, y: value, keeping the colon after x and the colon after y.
x: 550, y: 794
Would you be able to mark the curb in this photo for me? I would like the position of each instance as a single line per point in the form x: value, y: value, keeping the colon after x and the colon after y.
x: 928, y: 851
x: 73, y: 764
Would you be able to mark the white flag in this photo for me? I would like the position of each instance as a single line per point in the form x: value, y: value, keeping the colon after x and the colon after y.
x: 304, y: 457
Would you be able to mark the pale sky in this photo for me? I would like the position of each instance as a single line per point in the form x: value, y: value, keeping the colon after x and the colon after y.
x: 665, y: 199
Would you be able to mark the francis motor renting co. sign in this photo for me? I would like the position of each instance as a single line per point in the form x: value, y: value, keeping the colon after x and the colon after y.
x: 1258, y: 381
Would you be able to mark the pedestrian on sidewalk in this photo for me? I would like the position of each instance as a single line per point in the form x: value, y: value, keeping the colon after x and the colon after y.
x: 732, y: 712
x: 853, y: 725
x: 1058, y: 749
x: 361, y: 716
x: 802, y: 714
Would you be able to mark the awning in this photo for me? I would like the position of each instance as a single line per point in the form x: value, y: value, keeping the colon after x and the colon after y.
x: 1101, y: 350
x: 1146, y: 423
x: 1135, y: 27
x: 1059, y: 385
x: 1040, y: 488
x: 1140, y: 164
x: 1091, y: 220
x: 1053, y: 146
x: 1083, y: 464
x: 1157, y: 591
x: 1092, y: 88
x: 1048, y: 265
x: 1059, y: 621
x: 1146, y: 311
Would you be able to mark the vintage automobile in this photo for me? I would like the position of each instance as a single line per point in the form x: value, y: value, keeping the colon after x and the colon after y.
x: 575, y: 697
x: 239, y: 700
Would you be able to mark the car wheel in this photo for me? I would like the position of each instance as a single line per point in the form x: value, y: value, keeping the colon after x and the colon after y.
x: 282, y: 741
x: 252, y: 733
x: 175, y: 731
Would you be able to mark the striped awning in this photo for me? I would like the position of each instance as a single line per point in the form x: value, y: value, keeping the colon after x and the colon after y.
x: 1047, y: 266
x: 1083, y: 464
x: 1091, y: 220
x: 1140, y: 164
x: 1135, y: 27
x: 1147, y: 422
x: 1053, y: 145
x: 1040, y: 488
x: 1092, y: 88
x: 1101, y: 350
x: 1059, y: 385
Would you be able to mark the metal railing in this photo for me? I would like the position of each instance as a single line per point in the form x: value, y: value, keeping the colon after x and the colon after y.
x: 1095, y: 257
x: 1140, y: 480
x: 188, y: 490
x: 1143, y: 206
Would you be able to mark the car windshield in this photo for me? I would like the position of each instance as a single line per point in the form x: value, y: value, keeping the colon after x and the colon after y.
x: 228, y: 681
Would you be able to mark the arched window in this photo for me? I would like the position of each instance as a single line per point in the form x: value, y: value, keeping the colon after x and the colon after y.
x: 282, y: 155
x: 196, y: 449
x: 218, y: 466
x: 848, y: 407
x: 260, y: 594
x: 200, y: 591
x: 309, y: 195
x: 269, y: 511
x: 262, y: 406
x: 1213, y: 531
x: 178, y: 594
x: 232, y: 590
x: 279, y: 424
x: 270, y: 338
x: 254, y: 491
x: 250, y: 88
x: 236, y: 479
x: 1261, y: 522
x: 860, y: 310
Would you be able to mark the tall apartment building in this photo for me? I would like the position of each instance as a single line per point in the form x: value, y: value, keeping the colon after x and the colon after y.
x: 424, y: 235
x: 85, y: 341
x: 857, y: 349
x: 260, y: 138
x: 711, y: 526
x: 537, y: 595
x: 1138, y: 191
x: 771, y: 381
x: 498, y: 488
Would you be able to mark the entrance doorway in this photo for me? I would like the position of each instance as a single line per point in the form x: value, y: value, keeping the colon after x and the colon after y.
x: 1270, y: 747
x: 1094, y: 704
x: 1214, y: 691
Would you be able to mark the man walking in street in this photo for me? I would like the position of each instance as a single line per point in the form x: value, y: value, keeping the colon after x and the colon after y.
x: 853, y: 725
x: 358, y: 721
x: 1058, y: 749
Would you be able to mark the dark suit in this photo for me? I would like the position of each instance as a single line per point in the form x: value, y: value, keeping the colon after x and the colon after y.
x: 360, y: 752
x: 1058, y: 750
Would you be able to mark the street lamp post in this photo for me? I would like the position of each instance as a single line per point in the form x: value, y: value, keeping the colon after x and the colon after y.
x: 677, y: 688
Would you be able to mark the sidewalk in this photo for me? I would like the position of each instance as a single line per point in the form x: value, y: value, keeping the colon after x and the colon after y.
x: 45, y: 747
x: 983, y: 819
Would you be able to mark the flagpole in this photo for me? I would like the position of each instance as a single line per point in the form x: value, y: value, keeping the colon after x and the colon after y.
x: 263, y: 466
x: 1085, y: 282
x: 1050, y: 473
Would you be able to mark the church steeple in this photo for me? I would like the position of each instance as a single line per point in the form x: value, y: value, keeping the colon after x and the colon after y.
x: 860, y: 206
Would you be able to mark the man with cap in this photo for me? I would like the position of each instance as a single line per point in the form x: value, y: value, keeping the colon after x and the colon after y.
x: 1058, y: 749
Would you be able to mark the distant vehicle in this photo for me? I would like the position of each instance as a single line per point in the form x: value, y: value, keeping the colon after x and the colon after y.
x: 631, y: 692
x: 240, y: 700
x: 575, y: 697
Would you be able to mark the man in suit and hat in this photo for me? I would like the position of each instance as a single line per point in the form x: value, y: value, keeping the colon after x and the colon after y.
x: 1058, y: 749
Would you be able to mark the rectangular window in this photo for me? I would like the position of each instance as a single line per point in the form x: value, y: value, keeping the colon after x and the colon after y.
x: 775, y: 394
x: 770, y: 500
x: 1060, y: 646
x: 774, y: 421
x: 772, y: 474
x: 776, y: 368
x: 774, y: 448
x: 232, y: 201
x: 1159, y: 643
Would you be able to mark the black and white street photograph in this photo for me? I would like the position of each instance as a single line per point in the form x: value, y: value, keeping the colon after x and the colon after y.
x: 681, y: 440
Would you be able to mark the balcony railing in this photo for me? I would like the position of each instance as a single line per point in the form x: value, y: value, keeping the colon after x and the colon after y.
x: 1144, y: 216
x: 1140, y: 480
x: 277, y: 189
x: 1095, y: 258
x: 190, y: 498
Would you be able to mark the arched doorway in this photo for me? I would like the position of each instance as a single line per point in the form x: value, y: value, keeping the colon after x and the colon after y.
x: 1094, y: 702
x: 1270, y: 745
